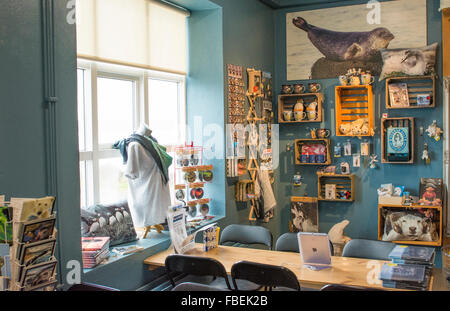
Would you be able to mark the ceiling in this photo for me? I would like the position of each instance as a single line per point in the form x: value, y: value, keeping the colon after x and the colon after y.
x: 283, y: 4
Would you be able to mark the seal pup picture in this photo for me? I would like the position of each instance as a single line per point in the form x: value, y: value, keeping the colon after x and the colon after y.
x: 305, y: 216
x: 325, y: 43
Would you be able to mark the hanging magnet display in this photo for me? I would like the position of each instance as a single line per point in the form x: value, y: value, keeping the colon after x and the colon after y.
x: 365, y: 148
x: 348, y: 148
x: 356, y: 160
x: 337, y: 151
x: 426, y: 154
x: 373, y: 161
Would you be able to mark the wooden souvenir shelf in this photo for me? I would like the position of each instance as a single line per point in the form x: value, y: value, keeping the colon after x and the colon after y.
x: 288, y: 101
x: 387, y: 122
x: 381, y: 221
x: 324, y: 141
x: 244, y: 188
x: 343, y: 183
x: 416, y: 85
x: 352, y: 103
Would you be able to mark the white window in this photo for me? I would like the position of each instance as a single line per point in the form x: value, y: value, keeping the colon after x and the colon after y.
x: 112, y: 102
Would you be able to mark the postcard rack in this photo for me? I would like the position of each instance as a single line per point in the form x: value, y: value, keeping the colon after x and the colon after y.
x: 344, y: 187
x: 401, y: 123
x: 416, y: 85
x: 401, y: 208
x: 32, y: 264
x: 23, y: 269
x: 354, y: 102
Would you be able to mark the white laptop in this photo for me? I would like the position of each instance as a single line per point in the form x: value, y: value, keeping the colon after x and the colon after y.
x: 314, y: 250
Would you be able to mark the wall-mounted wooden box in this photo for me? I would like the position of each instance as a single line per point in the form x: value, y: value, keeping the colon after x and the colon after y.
x: 353, y: 103
x: 245, y: 190
x: 343, y: 183
x: 319, y: 153
x: 381, y: 223
x: 286, y: 102
x: 416, y: 85
x: 396, y: 141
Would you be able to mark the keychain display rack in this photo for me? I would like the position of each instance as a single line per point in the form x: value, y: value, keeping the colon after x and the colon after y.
x: 190, y: 179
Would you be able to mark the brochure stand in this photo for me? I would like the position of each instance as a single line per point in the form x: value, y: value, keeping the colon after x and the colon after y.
x: 31, y: 256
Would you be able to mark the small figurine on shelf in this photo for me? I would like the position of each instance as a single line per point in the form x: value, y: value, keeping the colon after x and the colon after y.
x: 434, y: 131
x: 426, y: 154
x: 297, y: 180
x: 373, y: 160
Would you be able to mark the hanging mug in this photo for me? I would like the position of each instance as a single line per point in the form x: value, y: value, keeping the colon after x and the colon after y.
x: 367, y: 79
x: 286, y: 88
x: 343, y: 80
x: 299, y: 88
x: 323, y: 133
x: 314, y: 87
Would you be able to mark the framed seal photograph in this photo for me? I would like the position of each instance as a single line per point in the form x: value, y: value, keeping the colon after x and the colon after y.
x: 324, y: 43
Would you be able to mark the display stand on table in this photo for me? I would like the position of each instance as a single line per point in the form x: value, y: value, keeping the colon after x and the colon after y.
x: 190, y: 179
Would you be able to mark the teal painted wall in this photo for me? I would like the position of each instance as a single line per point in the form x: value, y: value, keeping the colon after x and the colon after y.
x: 246, y: 36
x: 363, y: 212
x: 23, y: 166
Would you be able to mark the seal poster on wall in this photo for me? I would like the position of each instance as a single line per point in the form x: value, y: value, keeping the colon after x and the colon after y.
x: 325, y: 43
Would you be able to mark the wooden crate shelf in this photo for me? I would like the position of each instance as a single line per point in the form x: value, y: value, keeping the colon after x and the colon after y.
x: 353, y: 103
x: 381, y: 223
x: 342, y: 182
x: 288, y: 101
x: 416, y: 85
x: 308, y: 141
x: 397, y: 122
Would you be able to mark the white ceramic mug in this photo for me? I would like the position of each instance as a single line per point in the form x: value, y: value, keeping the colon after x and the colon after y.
x: 287, y: 115
x: 299, y: 115
x: 312, y: 115
x: 343, y: 80
x: 367, y: 79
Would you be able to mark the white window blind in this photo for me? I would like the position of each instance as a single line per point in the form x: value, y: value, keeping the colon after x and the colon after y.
x: 445, y: 4
x: 140, y: 33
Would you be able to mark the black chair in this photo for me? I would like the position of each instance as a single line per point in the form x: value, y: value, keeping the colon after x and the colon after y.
x: 288, y: 242
x: 346, y: 288
x: 369, y: 249
x: 265, y: 275
x: 195, y: 287
x: 246, y: 234
x: 197, y: 266
x: 89, y: 287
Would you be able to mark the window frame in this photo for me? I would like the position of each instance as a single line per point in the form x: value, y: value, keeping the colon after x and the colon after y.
x: 94, y: 152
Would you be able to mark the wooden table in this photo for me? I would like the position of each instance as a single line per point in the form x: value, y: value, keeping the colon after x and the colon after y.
x: 344, y: 270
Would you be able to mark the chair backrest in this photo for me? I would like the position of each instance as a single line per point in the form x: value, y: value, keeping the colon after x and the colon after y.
x: 200, y: 266
x: 264, y: 275
x: 288, y: 242
x: 345, y: 288
x: 360, y: 248
x: 89, y: 287
x: 195, y: 287
x: 247, y: 234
